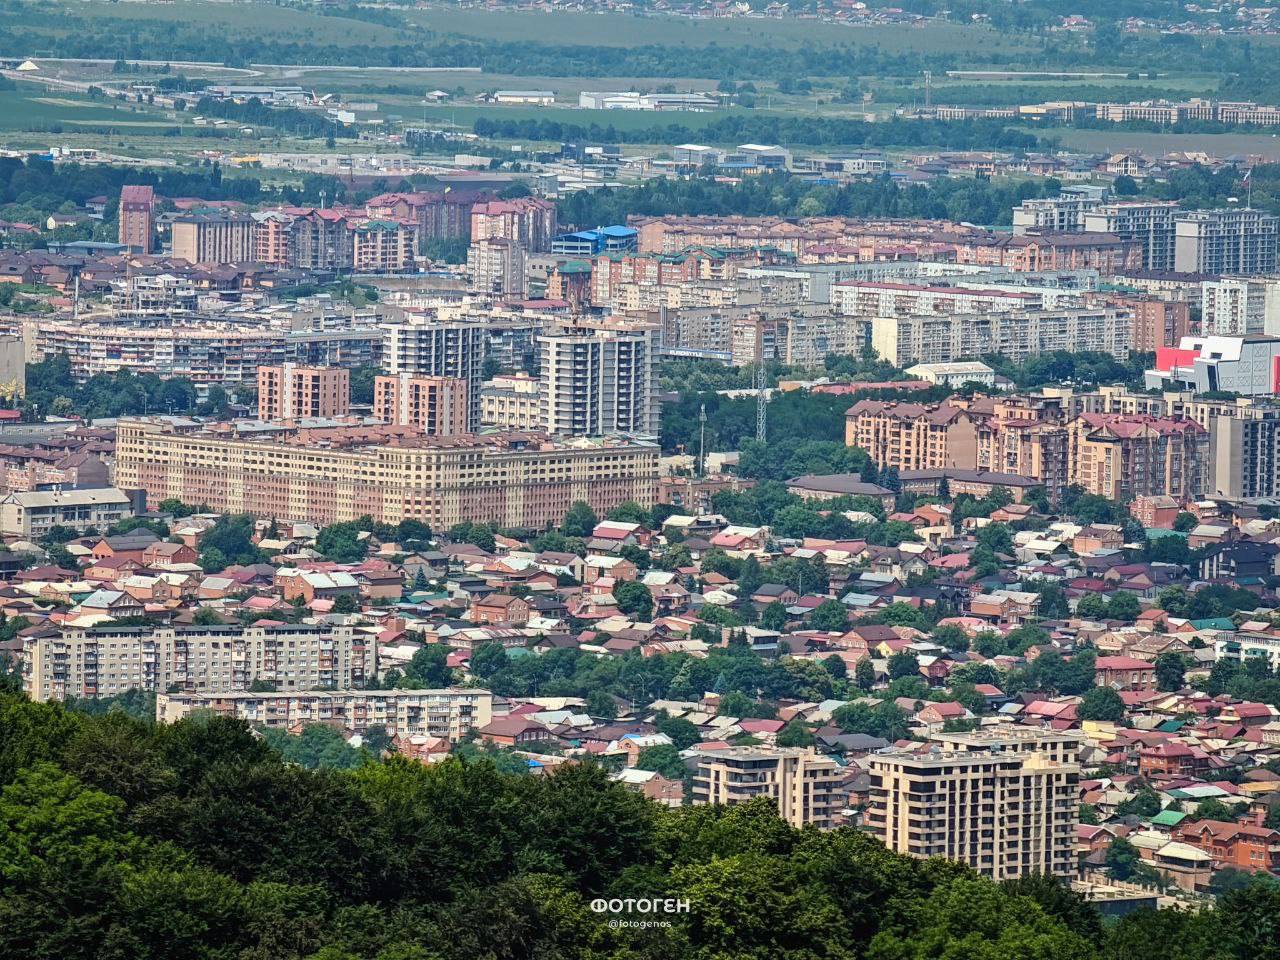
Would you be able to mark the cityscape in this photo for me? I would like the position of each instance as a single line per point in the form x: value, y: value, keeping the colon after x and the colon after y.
x: 639, y: 480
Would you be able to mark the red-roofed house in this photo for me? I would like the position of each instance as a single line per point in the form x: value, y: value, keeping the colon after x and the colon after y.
x: 1124, y: 673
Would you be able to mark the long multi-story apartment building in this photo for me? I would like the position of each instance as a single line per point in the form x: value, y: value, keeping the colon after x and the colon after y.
x: 1005, y: 435
x: 1146, y: 222
x: 1158, y: 323
x: 105, y: 661
x: 435, y: 405
x: 213, y: 237
x: 597, y: 378
x: 449, y: 713
x: 800, y: 782
x: 288, y: 391
x: 1239, y: 241
x: 329, y: 474
x: 1121, y: 457
x: 427, y: 347
x: 319, y: 240
x: 904, y: 341
x: 206, y: 352
x: 442, y: 215
x: 1005, y: 806
x: 857, y: 298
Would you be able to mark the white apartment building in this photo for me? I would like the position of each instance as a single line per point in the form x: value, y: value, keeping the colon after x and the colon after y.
x: 1235, y: 306
x: 857, y: 298
x: 1061, y: 214
x: 105, y: 661
x: 29, y: 514
x: 1149, y: 222
x: 942, y: 339
x: 598, y: 380
x: 449, y: 713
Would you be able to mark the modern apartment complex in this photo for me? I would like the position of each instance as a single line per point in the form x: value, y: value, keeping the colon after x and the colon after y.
x: 31, y: 514
x: 903, y: 341
x: 511, y: 403
x: 435, y: 405
x: 1245, y: 458
x: 288, y: 391
x: 330, y: 474
x: 104, y: 661
x: 1225, y: 241
x: 801, y: 782
x: 1159, y: 323
x: 213, y: 237
x: 1005, y: 806
x: 527, y: 221
x: 1121, y: 457
x: 598, y: 379
x: 439, y: 349
x: 449, y: 713
x: 1147, y: 222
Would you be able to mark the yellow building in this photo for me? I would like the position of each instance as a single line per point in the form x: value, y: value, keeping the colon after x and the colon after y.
x: 342, y: 472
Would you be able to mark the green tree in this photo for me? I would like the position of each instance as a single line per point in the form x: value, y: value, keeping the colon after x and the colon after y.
x: 1122, y: 859
x: 1102, y: 703
x: 774, y: 616
x: 488, y: 659
x: 1171, y: 671
x: 864, y: 674
x: 795, y: 734
x: 1092, y: 606
x: 1124, y: 605
x: 662, y: 758
x: 830, y: 615
x: 634, y: 600
x: 579, y: 521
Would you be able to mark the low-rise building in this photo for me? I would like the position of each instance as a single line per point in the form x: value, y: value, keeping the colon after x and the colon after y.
x: 449, y: 713
x: 29, y: 514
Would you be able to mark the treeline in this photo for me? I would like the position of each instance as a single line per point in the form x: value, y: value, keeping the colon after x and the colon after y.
x: 122, y: 839
x: 974, y: 200
x: 41, y: 185
x: 983, y: 134
x: 145, y: 38
x: 51, y: 389
x: 302, y: 123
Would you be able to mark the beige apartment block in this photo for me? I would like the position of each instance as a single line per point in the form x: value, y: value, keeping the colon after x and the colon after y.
x: 1007, y: 806
x: 287, y: 391
x: 800, y: 782
x: 335, y: 473
x: 105, y: 661
x: 450, y: 713
x: 435, y: 405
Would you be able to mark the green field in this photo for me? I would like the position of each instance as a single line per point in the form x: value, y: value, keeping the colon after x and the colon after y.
x: 30, y: 107
x: 235, y: 20
x: 623, y: 30
x: 1219, y: 144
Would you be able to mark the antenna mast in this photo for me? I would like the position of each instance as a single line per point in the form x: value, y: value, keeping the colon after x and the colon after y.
x: 702, y: 440
x: 762, y: 403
